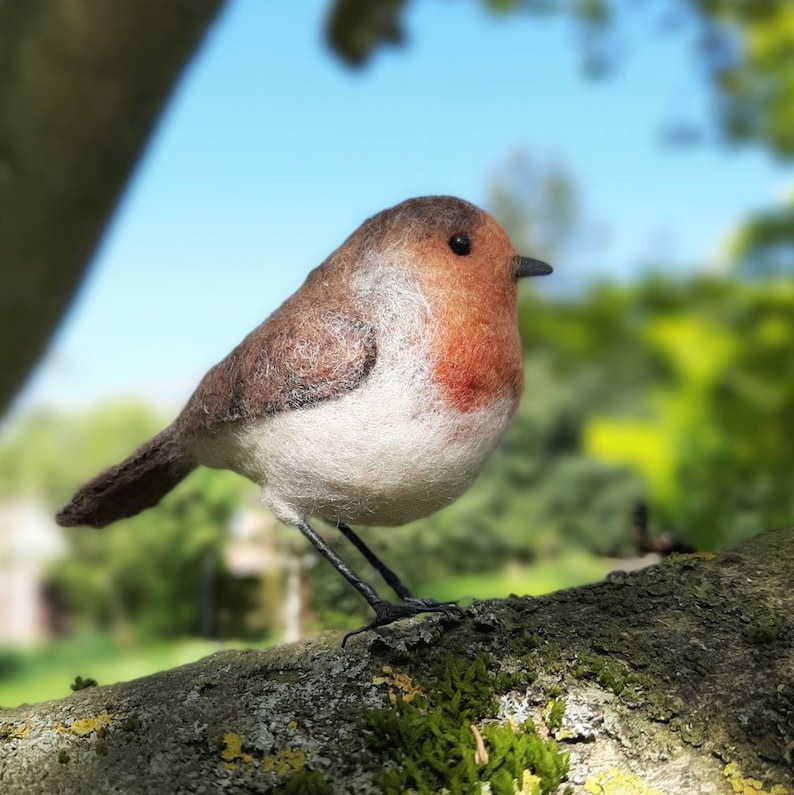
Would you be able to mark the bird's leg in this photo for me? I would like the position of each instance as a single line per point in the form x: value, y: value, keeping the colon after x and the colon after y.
x: 319, y: 543
x: 391, y: 579
x: 385, y: 612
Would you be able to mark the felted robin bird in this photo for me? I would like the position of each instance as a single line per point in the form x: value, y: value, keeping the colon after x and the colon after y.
x: 374, y: 395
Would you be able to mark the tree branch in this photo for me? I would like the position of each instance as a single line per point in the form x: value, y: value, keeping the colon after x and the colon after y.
x: 679, y: 677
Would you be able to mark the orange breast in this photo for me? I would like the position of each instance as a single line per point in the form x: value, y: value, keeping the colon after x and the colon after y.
x: 471, y: 375
x: 477, y: 350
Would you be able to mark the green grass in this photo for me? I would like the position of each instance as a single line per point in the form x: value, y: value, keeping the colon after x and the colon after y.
x: 46, y: 673
x: 564, y: 572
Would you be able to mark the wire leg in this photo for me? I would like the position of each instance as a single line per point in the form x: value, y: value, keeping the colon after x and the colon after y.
x: 385, y: 612
x: 391, y: 579
x: 319, y: 543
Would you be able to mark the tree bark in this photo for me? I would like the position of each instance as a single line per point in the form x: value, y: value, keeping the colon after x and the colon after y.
x: 81, y: 86
x: 675, y: 679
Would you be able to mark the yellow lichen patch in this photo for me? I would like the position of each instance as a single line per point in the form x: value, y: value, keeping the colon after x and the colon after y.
x: 85, y: 726
x: 286, y: 762
x: 398, y: 681
x: 8, y: 731
x: 530, y: 784
x: 617, y: 782
x: 749, y: 786
x: 232, y: 752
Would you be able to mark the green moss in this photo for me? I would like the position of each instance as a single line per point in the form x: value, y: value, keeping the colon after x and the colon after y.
x: 553, y: 714
x: 609, y: 673
x: 81, y: 684
x: 63, y: 758
x: 524, y: 641
x: 307, y: 782
x: 631, y: 686
x: 430, y: 743
x: 504, y: 682
x: 662, y: 707
x: 132, y: 724
x: 692, y: 732
x: 763, y: 631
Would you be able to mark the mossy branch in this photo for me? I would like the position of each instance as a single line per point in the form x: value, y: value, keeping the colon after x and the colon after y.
x: 675, y: 679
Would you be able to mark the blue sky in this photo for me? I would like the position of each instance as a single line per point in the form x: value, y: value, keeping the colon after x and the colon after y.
x: 272, y: 152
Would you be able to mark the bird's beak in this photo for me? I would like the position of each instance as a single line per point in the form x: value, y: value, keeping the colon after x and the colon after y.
x: 526, y: 266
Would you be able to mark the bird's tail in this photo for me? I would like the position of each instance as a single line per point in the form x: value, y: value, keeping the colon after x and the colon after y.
x: 137, y: 483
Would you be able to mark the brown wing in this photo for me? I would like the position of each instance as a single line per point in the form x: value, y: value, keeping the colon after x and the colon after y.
x: 301, y: 355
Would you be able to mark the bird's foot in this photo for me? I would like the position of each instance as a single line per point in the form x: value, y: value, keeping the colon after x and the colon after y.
x: 425, y: 604
x: 387, y: 613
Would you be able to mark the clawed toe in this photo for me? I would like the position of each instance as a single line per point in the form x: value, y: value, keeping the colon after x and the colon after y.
x: 428, y: 605
x: 387, y: 613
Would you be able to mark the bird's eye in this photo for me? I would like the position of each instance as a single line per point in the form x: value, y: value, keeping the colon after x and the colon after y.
x: 460, y: 244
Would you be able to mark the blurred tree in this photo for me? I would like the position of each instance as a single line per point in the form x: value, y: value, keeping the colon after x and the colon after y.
x: 539, y: 208
x: 708, y: 432
x: 763, y: 245
x: 81, y: 87
x: 157, y: 574
x: 745, y: 50
x: 46, y: 453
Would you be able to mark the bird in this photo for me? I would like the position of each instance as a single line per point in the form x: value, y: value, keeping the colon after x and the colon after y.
x: 372, y: 396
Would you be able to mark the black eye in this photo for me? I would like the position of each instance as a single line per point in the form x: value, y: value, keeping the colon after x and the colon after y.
x: 460, y: 244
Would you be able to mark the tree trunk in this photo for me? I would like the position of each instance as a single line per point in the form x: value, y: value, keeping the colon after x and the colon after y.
x: 81, y: 85
x: 675, y: 679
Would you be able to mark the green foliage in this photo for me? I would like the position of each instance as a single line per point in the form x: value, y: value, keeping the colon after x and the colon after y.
x: 763, y: 245
x: 429, y: 743
x: 46, y: 453
x: 754, y: 78
x: 158, y: 574
x: 153, y: 574
x: 688, y: 384
x: 356, y: 27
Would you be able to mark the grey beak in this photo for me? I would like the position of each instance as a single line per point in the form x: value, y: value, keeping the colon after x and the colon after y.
x: 526, y: 266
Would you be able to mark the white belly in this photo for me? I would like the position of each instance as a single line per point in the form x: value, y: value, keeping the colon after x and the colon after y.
x: 384, y: 454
